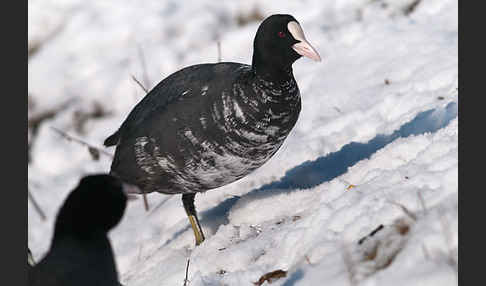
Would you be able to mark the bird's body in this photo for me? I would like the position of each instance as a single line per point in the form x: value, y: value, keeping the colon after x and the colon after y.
x: 194, y: 132
x: 80, y: 252
x: 209, y: 125
x: 76, y: 262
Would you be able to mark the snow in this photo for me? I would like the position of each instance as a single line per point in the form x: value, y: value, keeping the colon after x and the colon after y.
x: 376, y: 142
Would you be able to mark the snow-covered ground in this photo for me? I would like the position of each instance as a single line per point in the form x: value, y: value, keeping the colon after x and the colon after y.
x: 376, y: 142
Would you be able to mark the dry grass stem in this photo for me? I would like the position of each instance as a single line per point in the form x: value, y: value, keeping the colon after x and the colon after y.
x: 186, y: 279
x: 139, y: 84
x: 91, y: 148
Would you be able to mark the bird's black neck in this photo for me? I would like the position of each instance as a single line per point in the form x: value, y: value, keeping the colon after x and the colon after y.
x: 97, y: 240
x: 63, y: 231
x: 269, y: 71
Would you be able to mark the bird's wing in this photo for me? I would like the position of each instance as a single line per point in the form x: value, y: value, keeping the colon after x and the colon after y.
x: 189, y: 81
x: 164, y: 93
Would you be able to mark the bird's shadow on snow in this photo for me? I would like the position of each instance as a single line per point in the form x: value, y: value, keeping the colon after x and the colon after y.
x: 312, y: 173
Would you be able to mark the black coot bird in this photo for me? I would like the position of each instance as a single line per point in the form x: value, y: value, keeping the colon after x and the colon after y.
x: 208, y: 125
x: 80, y: 252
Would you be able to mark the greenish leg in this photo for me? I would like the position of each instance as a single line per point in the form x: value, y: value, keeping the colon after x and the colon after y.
x: 188, y: 202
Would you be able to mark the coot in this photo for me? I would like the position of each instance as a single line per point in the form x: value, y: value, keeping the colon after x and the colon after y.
x: 209, y: 125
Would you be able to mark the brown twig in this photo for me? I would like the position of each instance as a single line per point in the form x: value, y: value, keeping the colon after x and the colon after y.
x: 91, y: 148
x: 145, y: 200
x: 139, y: 84
x: 380, y: 227
x: 405, y: 210
x: 141, y: 56
x: 271, y: 276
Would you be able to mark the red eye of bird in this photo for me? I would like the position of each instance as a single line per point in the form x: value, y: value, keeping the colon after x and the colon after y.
x: 281, y: 34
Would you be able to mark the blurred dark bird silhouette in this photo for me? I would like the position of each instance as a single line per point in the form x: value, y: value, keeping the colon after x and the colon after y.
x: 80, y: 253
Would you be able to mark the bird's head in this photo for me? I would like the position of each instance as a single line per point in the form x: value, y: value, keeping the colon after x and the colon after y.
x: 279, y: 42
x: 95, y: 206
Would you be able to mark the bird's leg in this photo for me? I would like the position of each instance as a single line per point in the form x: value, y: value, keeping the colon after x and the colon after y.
x: 188, y: 201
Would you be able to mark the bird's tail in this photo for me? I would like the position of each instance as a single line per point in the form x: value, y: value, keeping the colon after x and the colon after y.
x: 112, y: 139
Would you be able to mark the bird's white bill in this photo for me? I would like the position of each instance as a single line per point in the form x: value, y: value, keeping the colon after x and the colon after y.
x: 303, y: 48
